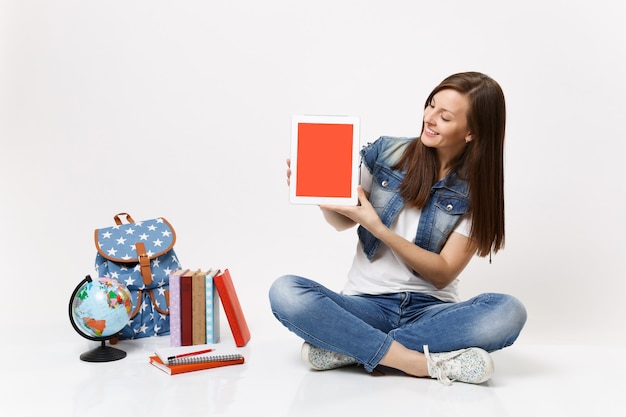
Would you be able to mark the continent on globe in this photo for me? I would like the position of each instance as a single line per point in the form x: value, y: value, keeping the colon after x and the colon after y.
x: 96, y: 326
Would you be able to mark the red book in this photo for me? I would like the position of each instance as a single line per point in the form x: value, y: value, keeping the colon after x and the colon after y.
x: 230, y: 302
x: 186, y: 309
x: 194, y: 365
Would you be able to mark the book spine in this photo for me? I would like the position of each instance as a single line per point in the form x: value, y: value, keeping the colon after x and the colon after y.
x: 175, y: 339
x: 212, y: 310
x: 198, y: 305
x: 185, y: 310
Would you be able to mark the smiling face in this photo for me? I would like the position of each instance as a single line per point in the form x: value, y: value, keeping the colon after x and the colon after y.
x: 445, y: 124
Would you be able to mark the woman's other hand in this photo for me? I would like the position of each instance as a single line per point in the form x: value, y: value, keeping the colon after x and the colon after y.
x: 363, y: 213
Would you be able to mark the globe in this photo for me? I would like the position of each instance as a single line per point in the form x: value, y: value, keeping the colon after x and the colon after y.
x: 98, y: 310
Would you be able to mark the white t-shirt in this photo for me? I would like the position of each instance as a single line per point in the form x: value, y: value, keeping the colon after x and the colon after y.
x: 386, y: 272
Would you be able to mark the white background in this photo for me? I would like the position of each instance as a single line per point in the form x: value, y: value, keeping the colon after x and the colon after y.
x: 182, y: 109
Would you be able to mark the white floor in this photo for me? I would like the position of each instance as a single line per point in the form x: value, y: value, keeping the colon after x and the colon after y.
x: 40, y: 376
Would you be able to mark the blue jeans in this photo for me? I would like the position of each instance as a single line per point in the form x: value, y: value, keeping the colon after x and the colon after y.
x: 363, y: 326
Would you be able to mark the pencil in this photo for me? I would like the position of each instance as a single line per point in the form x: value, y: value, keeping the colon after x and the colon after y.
x: 199, y: 352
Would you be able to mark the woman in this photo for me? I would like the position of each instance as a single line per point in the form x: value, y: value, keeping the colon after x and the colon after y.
x: 427, y: 205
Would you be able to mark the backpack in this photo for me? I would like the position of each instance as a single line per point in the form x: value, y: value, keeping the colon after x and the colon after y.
x: 141, y: 256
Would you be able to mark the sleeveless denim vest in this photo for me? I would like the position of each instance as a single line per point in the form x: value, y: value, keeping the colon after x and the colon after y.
x: 448, y: 202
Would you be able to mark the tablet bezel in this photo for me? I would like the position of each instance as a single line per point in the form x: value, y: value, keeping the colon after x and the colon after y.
x: 355, y: 159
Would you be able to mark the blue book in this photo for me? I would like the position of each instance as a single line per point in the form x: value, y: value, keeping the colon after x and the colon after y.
x: 212, y: 320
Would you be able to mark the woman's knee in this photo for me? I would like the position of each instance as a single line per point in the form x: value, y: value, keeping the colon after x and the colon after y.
x: 282, y: 287
x: 500, y: 321
x: 511, y: 318
x: 515, y: 311
x: 283, y: 294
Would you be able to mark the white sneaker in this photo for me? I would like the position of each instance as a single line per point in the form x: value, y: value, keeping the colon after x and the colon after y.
x: 472, y: 365
x: 322, y: 359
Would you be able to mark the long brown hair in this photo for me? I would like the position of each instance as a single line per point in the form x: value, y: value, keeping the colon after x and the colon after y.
x: 480, y: 163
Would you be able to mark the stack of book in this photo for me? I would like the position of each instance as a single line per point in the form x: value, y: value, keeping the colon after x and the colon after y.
x: 195, y: 308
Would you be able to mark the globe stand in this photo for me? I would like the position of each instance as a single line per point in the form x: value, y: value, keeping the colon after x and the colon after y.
x: 103, y: 354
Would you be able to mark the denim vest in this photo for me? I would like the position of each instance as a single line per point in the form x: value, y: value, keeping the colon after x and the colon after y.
x: 448, y: 202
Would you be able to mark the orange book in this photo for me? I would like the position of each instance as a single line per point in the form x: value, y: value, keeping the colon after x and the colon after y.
x: 230, y: 302
x: 197, y: 363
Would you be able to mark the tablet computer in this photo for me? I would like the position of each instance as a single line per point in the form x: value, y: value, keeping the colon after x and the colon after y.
x: 324, y: 160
